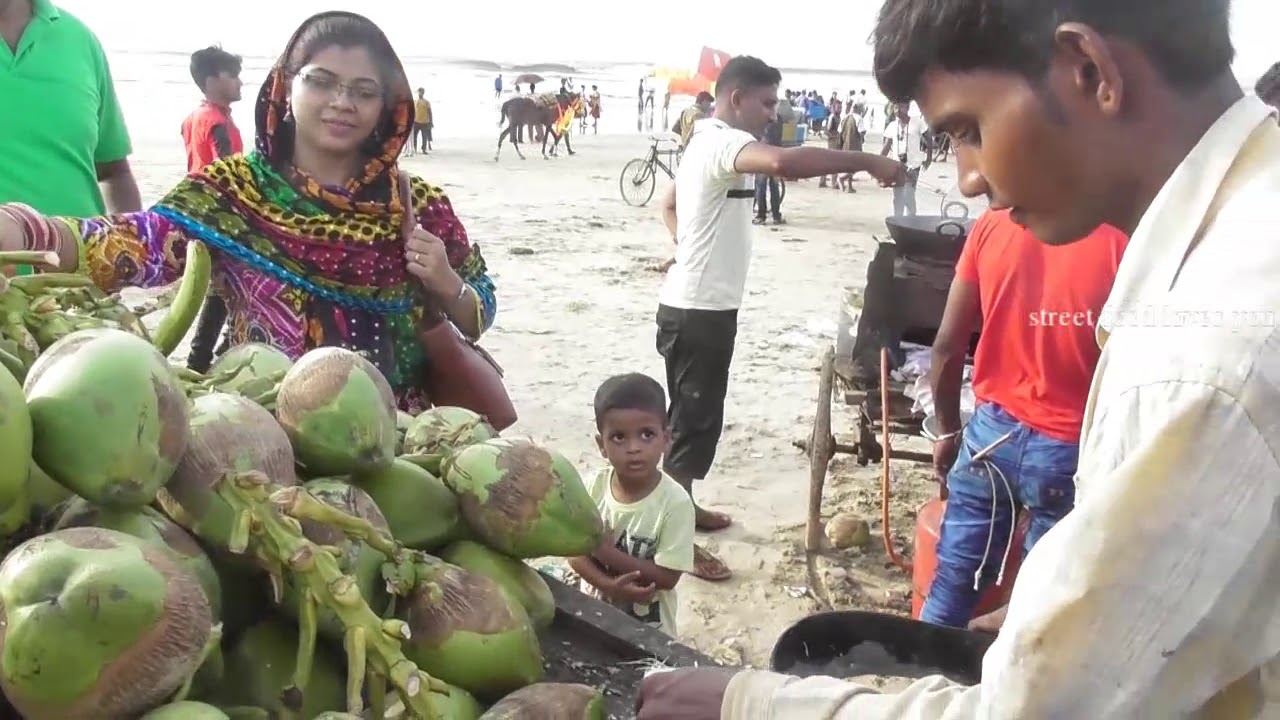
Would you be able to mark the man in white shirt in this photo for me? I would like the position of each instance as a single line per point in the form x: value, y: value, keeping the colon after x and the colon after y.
x: 1159, y: 594
x: 708, y: 213
x: 903, y: 140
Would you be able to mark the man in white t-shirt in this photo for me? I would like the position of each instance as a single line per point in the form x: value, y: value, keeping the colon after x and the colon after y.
x: 902, y: 140
x: 708, y: 213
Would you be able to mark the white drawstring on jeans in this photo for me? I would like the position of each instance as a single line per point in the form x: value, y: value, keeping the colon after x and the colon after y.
x: 992, y: 472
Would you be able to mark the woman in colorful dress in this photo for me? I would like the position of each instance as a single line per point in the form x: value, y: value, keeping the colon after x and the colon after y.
x: 306, y: 232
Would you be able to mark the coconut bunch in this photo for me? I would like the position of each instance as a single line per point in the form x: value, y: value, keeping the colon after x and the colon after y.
x: 271, y: 539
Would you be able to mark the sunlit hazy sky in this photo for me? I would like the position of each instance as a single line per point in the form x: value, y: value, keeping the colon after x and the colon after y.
x: 667, y: 32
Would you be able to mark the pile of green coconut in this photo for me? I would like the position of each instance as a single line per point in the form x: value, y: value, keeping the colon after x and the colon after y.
x: 271, y: 539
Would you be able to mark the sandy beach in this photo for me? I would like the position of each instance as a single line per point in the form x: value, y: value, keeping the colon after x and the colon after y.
x: 576, y: 304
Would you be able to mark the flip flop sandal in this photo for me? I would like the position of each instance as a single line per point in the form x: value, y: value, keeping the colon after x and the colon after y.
x: 719, y: 522
x: 709, y: 567
x: 757, y: 221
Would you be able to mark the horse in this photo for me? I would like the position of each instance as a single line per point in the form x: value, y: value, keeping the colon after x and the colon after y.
x: 535, y: 111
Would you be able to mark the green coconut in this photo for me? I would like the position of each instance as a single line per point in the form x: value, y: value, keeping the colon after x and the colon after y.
x: 109, y: 415
x: 339, y: 412
x: 250, y: 368
x: 148, y: 525
x: 356, y: 559
x: 260, y: 666
x: 562, y: 701
x: 15, y: 453
x: 229, y: 433
x: 45, y: 493
x: 442, y: 431
x: 421, y: 512
x: 515, y: 577
x: 403, y: 421
x: 97, y: 624
x: 524, y: 500
x: 186, y: 710
x: 467, y: 632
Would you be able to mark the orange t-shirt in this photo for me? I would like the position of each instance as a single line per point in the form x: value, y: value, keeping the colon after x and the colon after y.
x: 201, y: 141
x: 1038, y: 351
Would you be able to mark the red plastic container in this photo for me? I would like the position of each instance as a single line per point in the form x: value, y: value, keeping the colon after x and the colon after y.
x: 925, y: 562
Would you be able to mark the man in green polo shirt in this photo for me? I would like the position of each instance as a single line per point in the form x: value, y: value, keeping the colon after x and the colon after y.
x: 64, y: 147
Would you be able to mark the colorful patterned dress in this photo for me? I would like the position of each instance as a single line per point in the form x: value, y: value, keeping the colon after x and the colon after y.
x: 290, y: 277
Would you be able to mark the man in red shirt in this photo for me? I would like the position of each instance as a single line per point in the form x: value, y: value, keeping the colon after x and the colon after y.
x: 209, y: 133
x: 1036, y: 305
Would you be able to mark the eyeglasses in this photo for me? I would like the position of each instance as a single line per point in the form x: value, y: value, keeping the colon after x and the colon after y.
x: 363, y: 92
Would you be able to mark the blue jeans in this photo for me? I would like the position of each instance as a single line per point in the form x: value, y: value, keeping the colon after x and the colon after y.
x: 1029, y: 469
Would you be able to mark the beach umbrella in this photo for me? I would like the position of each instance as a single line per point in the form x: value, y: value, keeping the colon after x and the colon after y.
x: 527, y: 78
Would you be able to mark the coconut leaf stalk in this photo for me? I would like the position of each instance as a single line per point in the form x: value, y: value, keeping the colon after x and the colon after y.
x: 269, y: 527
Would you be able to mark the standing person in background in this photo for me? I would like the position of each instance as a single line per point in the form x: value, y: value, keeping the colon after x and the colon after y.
x: 1268, y: 87
x: 1031, y: 376
x: 698, y: 305
x: 902, y: 141
x: 594, y: 104
x: 62, y: 124
x: 210, y: 133
x: 700, y: 109
x: 497, y: 86
x: 640, y: 98
x: 423, y: 121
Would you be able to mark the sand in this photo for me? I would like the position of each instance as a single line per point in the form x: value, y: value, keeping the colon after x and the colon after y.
x: 576, y: 304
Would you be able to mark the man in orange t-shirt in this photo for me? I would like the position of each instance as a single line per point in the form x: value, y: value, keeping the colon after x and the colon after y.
x: 1036, y: 305
x: 209, y: 133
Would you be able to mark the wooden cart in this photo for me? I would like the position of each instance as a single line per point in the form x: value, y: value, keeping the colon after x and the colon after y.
x: 903, y: 301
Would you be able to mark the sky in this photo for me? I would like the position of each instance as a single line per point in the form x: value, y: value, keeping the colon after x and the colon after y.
x: 665, y: 32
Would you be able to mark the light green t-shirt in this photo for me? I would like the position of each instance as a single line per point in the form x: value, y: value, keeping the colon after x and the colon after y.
x: 59, y: 116
x: 659, y: 529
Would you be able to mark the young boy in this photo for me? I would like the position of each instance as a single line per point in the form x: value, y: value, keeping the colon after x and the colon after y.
x: 649, y: 516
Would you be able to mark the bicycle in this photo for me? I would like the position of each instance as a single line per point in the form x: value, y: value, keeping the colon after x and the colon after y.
x: 640, y: 176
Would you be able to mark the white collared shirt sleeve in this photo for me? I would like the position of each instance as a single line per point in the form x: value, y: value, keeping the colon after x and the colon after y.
x: 1138, y: 604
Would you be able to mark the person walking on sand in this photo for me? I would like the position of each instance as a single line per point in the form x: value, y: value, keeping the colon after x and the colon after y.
x: 697, y: 318
x: 594, y: 103
x: 423, y: 121
x: 903, y: 140
x: 649, y: 544
x: 1156, y: 596
x: 210, y: 133
x: 497, y: 86
x: 62, y: 124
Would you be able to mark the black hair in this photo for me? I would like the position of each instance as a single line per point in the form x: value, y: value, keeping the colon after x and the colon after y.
x: 1269, y: 84
x: 745, y: 72
x: 633, y: 391
x: 211, y: 62
x: 348, y: 30
x: 704, y: 97
x: 1188, y: 41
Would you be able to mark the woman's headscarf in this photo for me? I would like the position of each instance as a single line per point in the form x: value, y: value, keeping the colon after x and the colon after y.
x: 333, y: 256
x: 275, y: 123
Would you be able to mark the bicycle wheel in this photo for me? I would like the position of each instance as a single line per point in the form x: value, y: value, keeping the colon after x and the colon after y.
x: 637, y: 182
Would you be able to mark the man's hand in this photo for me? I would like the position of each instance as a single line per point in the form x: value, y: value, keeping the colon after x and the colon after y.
x: 944, y: 456
x: 631, y: 588
x: 689, y: 694
x: 888, y: 171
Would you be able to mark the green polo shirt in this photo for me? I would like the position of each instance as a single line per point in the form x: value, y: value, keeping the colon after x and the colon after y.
x: 59, y: 116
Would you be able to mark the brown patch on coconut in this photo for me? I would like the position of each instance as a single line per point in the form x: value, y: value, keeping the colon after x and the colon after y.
x: 172, y: 406
x: 546, y: 701
x: 157, y: 664
x: 228, y: 433
x: 452, y: 599
x: 527, y: 477
x: 317, y: 378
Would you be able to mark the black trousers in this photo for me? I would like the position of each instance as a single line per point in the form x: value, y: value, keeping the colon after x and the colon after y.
x: 698, y: 348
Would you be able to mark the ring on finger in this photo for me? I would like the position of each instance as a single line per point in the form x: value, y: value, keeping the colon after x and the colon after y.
x: 417, y: 257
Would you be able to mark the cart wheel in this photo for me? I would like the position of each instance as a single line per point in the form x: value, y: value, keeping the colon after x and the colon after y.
x: 821, y: 449
x: 637, y: 182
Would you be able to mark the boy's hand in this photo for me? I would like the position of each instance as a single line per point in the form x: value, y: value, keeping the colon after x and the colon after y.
x: 630, y: 588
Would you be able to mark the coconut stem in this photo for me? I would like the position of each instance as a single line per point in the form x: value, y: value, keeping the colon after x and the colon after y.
x: 29, y: 257
x: 296, y: 502
x: 307, y: 628
x: 278, y: 540
x: 354, y: 643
